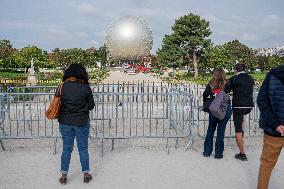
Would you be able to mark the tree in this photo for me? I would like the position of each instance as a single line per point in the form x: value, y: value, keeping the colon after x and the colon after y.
x: 241, y: 53
x: 170, y: 55
x: 262, y: 62
x: 274, y: 61
x: 6, y: 51
x: 215, y: 57
x: 102, y: 55
x: 55, y: 57
x: 6, y: 48
x: 73, y: 55
x: 191, y: 35
x: 22, y: 57
x: 92, y: 57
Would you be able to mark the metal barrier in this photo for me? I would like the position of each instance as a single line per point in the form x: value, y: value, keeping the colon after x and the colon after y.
x: 2, y: 118
x: 122, y: 111
x: 250, y: 125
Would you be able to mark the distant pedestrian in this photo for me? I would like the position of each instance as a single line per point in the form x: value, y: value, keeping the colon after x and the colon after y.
x: 216, y: 85
x: 270, y: 101
x: 76, y: 102
x: 242, y: 85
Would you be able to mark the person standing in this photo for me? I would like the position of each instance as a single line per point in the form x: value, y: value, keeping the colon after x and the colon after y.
x: 242, y: 86
x: 217, y: 84
x: 270, y: 101
x: 76, y: 102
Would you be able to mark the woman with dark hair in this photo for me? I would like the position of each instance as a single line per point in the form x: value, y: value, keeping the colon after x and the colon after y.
x: 217, y: 84
x: 76, y: 102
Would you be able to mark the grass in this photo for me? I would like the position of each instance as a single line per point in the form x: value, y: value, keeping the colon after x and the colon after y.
x: 12, y: 75
x: 47, y: 79
x: 205, y: 78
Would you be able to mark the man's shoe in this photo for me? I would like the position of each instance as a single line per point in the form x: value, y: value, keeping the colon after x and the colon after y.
x: 241, y: 157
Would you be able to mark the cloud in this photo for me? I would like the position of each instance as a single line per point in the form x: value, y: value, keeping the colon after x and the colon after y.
x: 272, y: 20
x: 58, y: 32
x: 74, y: 23
x: 82, y: 35
x: 20, y: 25
x: 86, y: 8
x: 248, y: 36
x: 213, y: 19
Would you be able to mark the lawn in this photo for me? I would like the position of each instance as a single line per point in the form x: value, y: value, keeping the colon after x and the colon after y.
x: 205, y: 78
x: 12, y: 75
x: 17, y: 78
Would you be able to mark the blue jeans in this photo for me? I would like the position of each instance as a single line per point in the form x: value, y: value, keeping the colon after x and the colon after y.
x: 69, y: 132
x: 219, y: 144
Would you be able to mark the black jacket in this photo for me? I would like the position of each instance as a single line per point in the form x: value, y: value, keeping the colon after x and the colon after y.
x: 270, y: 101
x: 76, y: 102
x: 242, y: 86
x: 208, y: 91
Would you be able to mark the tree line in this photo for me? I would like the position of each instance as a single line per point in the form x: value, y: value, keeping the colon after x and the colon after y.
x: 189, y: 45
x: 12, y: 58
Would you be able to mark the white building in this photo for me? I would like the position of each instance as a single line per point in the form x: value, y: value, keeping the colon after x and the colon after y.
x: 271, y: 51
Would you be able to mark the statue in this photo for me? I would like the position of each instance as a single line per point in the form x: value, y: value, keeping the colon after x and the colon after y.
x: 32, y: 69
x: 32, y: 77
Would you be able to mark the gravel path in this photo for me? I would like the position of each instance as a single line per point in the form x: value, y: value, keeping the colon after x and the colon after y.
x: 36, y: 167
x: 122, y: 77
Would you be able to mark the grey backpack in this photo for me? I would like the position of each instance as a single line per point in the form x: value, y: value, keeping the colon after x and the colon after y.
x: 219, y: 105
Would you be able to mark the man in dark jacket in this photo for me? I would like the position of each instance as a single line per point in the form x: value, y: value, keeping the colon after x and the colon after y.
x: 242, y: 86
x: 270, y: 101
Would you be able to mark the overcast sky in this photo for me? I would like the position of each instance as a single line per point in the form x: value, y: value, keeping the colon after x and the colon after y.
x: 73, y: 23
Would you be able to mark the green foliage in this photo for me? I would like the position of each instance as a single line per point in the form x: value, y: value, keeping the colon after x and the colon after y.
x: 274, y: 61
x: 74, y: 55
x: 12, y: 75
x: 241, y: 53
x: 215, y: 57
x: 262, y: 62
x: 6, y: 48
x: 98, y: 75
x: 189, y: 37
x: 170, y: 55
x: 205, y: 78
x: 191, y: 32
x: 22, y: 58
x: 265, y: 63
x: 88, y: 57
x: 101, y: 55
x: 157, y: 71
x: 50, y: 76
x: 6, y: 51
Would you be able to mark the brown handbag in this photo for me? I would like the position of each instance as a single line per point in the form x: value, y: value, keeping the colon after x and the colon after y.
x: 53, y: 110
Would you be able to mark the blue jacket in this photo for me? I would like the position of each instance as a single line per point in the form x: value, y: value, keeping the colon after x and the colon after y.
x: 270, y: 101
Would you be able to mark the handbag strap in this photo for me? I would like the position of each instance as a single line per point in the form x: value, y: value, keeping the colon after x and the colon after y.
x: 59, y: 90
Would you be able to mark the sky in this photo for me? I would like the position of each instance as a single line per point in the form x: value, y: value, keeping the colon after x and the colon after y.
x: 64, y: 24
